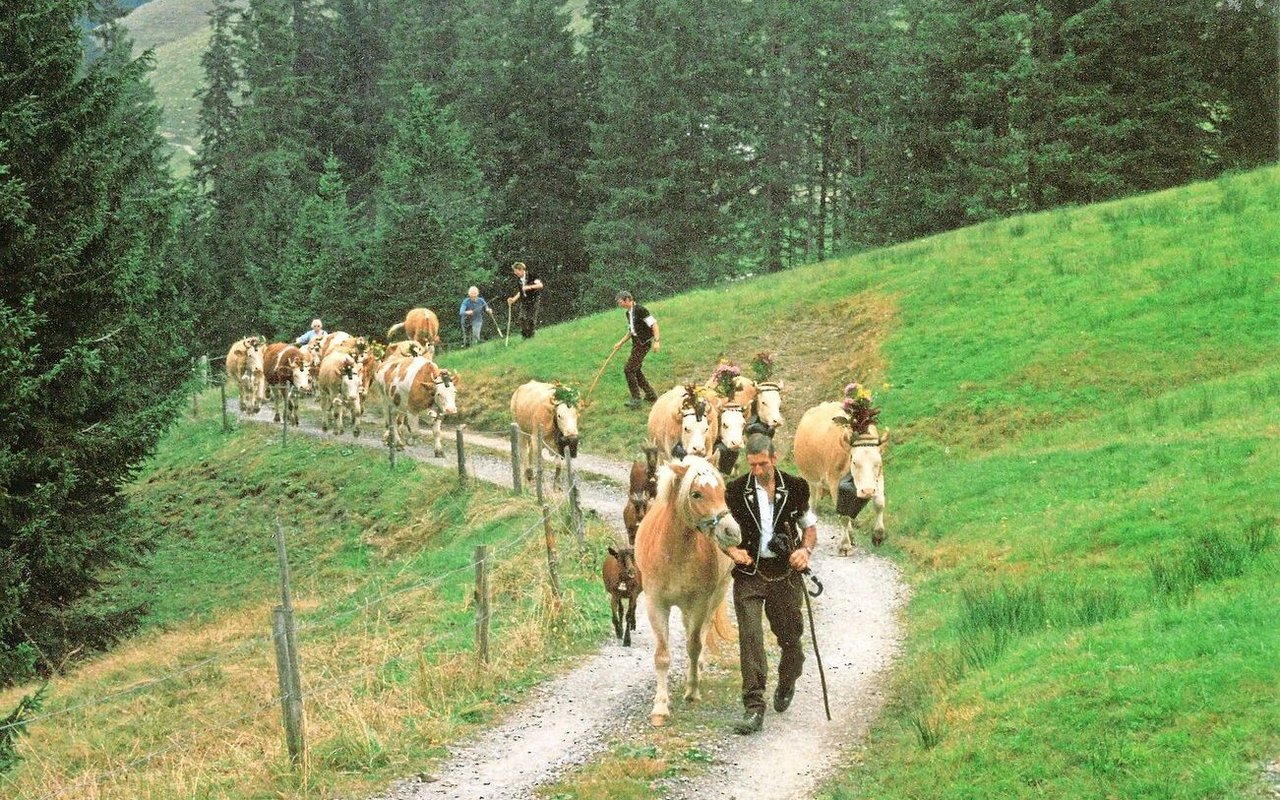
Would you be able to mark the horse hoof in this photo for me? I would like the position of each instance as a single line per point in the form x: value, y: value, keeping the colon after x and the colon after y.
x: 658, y: 720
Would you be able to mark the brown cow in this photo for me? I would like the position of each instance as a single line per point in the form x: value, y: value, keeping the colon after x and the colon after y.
x: 340, y: 389
x: 552, y: 410
x: 288, y: 373
x: 420, y: 324
x: 410, y: 387
x: 244, y: 369
x: 825, y: 451
x: 623, y: 583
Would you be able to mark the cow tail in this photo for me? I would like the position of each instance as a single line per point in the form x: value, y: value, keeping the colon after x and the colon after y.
x: 399, y: 326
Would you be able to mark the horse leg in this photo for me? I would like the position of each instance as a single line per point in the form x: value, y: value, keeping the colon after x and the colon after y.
x: 659, y: 621
x: 694, y: 631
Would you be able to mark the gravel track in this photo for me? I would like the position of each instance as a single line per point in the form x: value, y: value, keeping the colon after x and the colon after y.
x: 565, y: 722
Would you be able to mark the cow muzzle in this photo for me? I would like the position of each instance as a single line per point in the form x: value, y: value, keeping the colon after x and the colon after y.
x: 569, y: 443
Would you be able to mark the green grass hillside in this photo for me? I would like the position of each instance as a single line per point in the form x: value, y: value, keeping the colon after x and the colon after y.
x: 1084, y: 480
x: 1083, y: 484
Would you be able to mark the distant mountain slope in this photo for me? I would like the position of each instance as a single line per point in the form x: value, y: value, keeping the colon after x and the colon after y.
x: 178, y: 31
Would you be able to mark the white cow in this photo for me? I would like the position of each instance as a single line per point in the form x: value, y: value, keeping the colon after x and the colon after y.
x: 340, y: 389
x: 825, y: 450
x: 681, y: 416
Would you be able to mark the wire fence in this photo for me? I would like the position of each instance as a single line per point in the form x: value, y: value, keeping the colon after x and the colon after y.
x: 246, y: 654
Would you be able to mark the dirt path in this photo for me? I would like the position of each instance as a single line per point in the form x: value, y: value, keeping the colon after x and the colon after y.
x: 565, y: 722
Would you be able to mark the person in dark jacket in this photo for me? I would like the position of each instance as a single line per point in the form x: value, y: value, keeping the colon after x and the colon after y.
x: 529, y: 295
x: 642, y: 330
x: 779, y: 531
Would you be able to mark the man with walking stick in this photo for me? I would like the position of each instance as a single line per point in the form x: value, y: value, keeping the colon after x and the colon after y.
x: 642, y: 330
x: 779, y: 531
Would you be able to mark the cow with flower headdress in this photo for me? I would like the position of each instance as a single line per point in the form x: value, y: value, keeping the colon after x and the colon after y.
x: 681, y: 422
x: 838, y: 449
x: 551, y: 410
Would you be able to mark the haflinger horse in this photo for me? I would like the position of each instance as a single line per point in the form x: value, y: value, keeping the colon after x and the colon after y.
x: 680, y: 552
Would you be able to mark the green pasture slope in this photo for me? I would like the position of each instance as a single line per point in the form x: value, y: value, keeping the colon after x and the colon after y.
x: 1084, y: 481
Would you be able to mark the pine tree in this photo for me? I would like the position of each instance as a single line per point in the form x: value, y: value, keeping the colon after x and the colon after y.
x: 430, y: 238
x: 519, y: 88
x: 325, y: 254
x: 93, y: 332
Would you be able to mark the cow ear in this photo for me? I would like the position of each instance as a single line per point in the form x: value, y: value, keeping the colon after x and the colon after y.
x: 781, y: 384
x: 679, y: 468
x: 884, y: 438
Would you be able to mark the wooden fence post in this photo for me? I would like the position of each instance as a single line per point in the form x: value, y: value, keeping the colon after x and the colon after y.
x: 222, y: 391
x: 290, y: 664
x: 537, y: 458
x: 482, y: 603
x: 288, y: 399
x: 462, y: 458
x: 290, y: 695
x: 553, y: 567
x: 515, y: 459
x: 575, y: 508
x: 391, y: 437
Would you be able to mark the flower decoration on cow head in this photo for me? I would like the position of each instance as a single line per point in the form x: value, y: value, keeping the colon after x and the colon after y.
x: 858, y: 405
x: 694, y: 400
x: 723, y: 378
x: 378, y: 349
x: 568, y: 395
x: 762, y: 367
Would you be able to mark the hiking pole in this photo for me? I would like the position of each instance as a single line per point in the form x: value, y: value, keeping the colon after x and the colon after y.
x: 822, y: 676
x: 600, y: 372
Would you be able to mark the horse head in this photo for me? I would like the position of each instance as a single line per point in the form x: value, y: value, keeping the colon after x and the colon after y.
x: 697, y: 491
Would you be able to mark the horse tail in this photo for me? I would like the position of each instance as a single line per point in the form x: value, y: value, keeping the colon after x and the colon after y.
x: 399, y: 326
x: 718, y: 628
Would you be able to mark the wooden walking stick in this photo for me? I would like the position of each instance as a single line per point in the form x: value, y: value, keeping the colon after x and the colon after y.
x: 587, y: 397
x: 813, y: 633
x: 494, y: 317
x: 506, y: 337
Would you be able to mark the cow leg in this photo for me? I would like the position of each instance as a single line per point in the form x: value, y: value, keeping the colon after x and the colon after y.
x: 846, y: 536
x: 326, y: 410
x: 659, y: 621
x: 435, y: 430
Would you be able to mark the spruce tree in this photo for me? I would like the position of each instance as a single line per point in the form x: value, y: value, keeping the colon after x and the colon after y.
x: 430, y: 237
x: 93, y: 328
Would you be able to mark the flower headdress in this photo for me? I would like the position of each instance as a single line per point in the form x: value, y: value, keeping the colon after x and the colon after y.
x: 723, y: 378
x: 694, y: 400
x: 858, y: 405
x: 762, y: 367
x: 568, y: 395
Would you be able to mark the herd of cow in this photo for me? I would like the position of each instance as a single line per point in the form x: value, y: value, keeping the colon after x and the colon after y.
x: 676, y: 515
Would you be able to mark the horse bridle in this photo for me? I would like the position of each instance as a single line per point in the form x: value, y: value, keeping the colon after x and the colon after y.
x: 709, y: 524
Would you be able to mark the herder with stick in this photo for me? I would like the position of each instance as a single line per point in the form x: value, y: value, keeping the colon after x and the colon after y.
x: 779, y: 531
x: 642, y: 330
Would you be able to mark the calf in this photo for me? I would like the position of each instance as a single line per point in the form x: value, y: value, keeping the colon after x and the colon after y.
x: 644, y: 487
x: 622, y: 581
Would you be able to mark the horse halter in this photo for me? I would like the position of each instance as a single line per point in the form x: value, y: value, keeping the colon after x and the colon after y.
x: 709, y: 524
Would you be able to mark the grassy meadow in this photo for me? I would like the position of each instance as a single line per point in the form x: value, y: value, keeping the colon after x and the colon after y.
x: 382, y: 579
x: 1083, y: 489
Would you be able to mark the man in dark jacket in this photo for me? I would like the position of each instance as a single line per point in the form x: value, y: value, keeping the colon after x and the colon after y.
x: 529, y: 295
x: 779, y: 531
x: 642, y: 330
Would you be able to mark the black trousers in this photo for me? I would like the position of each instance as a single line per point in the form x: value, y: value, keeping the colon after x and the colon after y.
x: 780, y: 601
x: 529, y: 307
x: 637, y: 384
